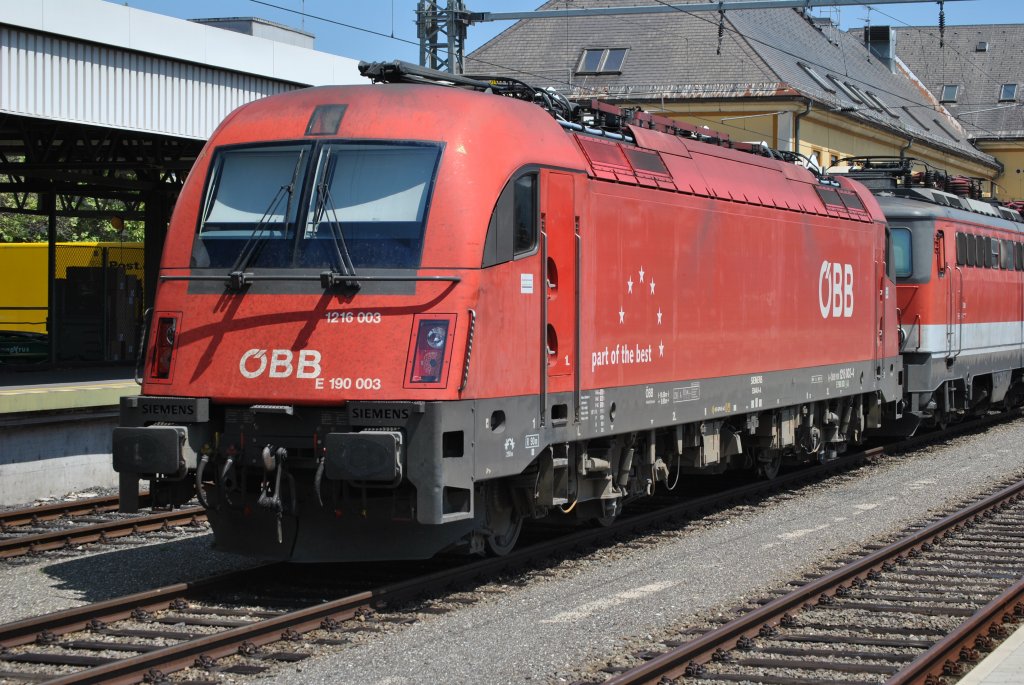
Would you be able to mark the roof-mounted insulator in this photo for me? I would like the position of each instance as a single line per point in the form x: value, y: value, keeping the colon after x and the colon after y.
x: 721, y: 27
x: 942, y: 24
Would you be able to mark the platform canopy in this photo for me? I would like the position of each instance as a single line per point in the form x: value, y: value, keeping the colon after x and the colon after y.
x: 104, y: 108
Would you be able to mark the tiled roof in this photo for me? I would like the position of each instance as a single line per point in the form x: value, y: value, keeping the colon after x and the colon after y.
x: 980, y: 74
x: 672, y: 56
x: 665, y: 51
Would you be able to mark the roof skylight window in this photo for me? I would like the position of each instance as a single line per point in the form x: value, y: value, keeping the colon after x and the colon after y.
x: 916, y: 119
x: 601, y: 61
x: 846, y: 89
x: 1008, y: 92
x: 950, y: 93
x: 884, y: 107
x: 817, y: 78
x: 945, y: 130
x: 863, y: 98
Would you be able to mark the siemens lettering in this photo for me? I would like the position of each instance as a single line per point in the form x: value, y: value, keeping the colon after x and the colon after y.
x: 150, y: 409
x: 374, y: 413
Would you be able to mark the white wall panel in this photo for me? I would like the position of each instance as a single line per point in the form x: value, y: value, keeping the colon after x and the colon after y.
x: 46, y: 76
x: 104, y: 64
x: 127, y: 28
x: 969, y: 338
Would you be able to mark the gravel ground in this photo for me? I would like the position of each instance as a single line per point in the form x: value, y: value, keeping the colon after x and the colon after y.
x: 572, y: 619
x: 30, y: 586
x: 564, y: 623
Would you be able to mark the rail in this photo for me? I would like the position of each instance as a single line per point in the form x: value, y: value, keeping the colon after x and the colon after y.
x: 687, y: 659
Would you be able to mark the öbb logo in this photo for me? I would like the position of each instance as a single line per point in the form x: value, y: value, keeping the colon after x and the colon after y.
x: 835, y: 290
x: 281, y: 364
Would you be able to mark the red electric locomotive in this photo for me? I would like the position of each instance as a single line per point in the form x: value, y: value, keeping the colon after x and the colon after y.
x: 394, y: 319
x: 958, y: 263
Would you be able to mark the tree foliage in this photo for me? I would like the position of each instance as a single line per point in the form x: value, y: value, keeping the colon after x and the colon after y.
x: 32, y: 228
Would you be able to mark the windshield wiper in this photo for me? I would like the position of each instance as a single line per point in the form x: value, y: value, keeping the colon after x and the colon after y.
x: 341, y: 256
x: 238, y: 278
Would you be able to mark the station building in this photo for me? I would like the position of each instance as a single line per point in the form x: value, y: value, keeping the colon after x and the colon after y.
x: 777, y: 76
x: 977, y: 75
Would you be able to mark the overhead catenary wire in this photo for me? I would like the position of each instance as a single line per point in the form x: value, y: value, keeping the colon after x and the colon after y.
x: 727, y: 27
x: 899, y: 96
x: 335, y: 22
x: 963, y: 57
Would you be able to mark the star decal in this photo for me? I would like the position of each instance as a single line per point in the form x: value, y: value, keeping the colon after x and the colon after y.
x: 644, y: 277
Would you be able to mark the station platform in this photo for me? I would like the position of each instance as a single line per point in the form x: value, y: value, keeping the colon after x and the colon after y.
x: 56, y: 428
x: 27, y: 392
x: 1004, y: 666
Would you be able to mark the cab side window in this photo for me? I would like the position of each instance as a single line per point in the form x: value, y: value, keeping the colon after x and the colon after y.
x: 902, y: 252
x: 512, y: 231
x: 525, y: 213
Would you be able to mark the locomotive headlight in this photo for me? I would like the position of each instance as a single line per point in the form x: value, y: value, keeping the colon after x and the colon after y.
x: 429, y: 351
x: 436, y: 336
x: 163, y: 347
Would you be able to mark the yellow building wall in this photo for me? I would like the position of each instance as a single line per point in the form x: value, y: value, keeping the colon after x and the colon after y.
x: 1010, y: 184
x: 744, y: 122
x: 849, y: 137
x: 829, y: 135
x: 23, y: 274
x: 747, y: 126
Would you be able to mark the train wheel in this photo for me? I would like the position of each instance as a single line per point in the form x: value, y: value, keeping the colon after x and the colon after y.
x: 767, y: 470
x: 610, y: 510
x: 503, y: 522
x: 500, y: 544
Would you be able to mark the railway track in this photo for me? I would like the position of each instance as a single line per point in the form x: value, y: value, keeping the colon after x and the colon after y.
x: 238, y: 623
x: 915, y: 611
x: 228, y: 624
x: 91, y: 506
x: 63, y: 525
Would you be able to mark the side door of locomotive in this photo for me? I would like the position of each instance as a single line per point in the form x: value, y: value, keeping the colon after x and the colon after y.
x: 560, y: 268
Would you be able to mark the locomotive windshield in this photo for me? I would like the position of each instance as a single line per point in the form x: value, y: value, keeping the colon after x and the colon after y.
x: 251, y: 205
x: 377, y: 196
x: 364, y: 205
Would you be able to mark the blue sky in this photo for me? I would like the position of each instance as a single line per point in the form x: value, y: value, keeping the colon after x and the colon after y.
x: 397, y: 18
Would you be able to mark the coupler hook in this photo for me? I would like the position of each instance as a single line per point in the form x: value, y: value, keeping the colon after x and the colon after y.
x: 271, y: 499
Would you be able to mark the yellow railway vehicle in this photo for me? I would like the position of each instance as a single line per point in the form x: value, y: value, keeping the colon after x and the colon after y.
x: 23, y: 275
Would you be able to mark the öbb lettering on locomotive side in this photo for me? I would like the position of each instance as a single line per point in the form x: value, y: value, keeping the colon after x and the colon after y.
x: 835, y: 290
x: 352, y: 357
